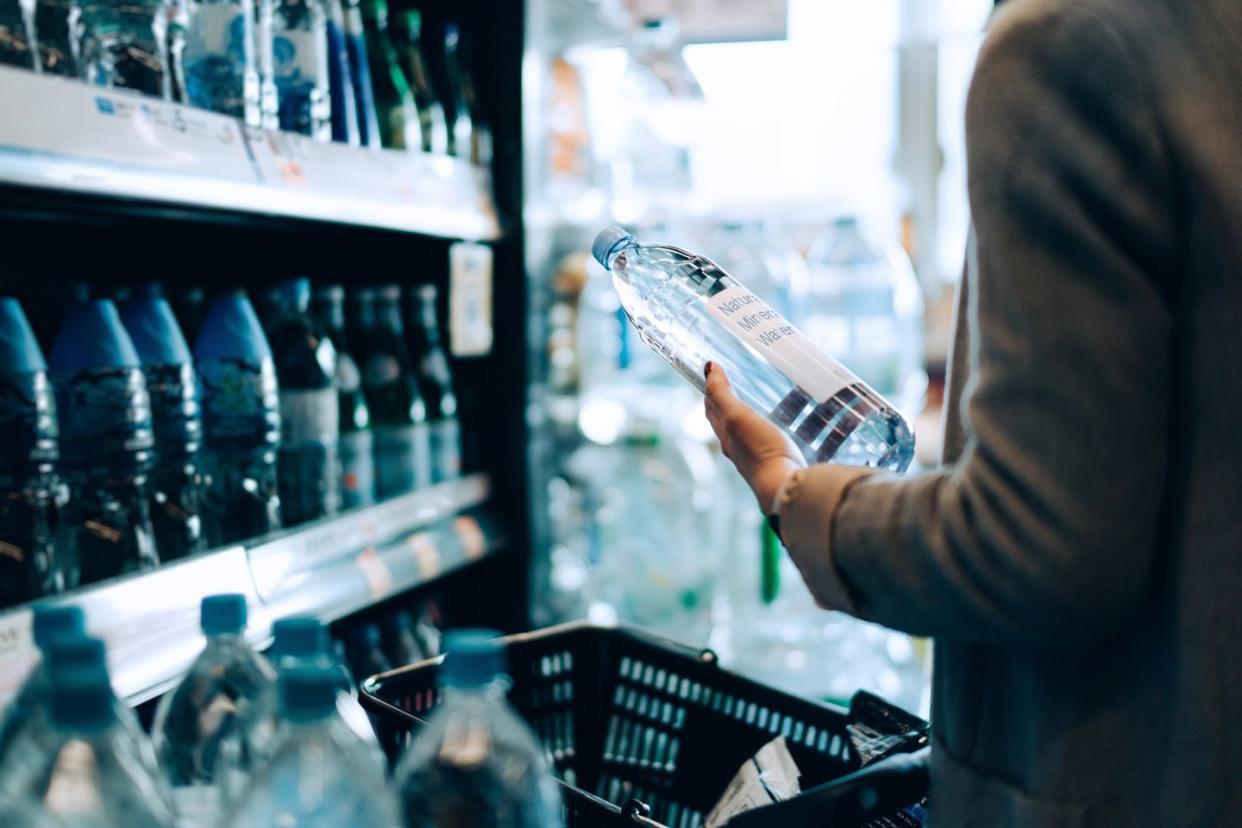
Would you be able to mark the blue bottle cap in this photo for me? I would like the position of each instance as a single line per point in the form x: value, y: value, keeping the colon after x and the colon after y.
x: 154, y: 331
x: 19, y: 350
x: 223, y: 614
x: 232, y: 330
x: 295, y: 294
x: 307, y: 693
x: 473, y: 658
x: 66, y: 652
x: 92, y: 336
x: 82, y: 699
x: 50, y: 621
x: 298, y: 638
x: 609, y: 240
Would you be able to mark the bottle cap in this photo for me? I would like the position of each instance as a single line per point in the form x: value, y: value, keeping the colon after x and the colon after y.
x: 223, y: 614
x: 154, y: 331
x: 609, y: 240
x: 82, y: 699
x: 426, y: 293
x: 232, y: 330
x: 70, y: 652
x: 19, y: 350
x: 52, y: 621
x: 92, y: 336
x: 473, y: 658
x: 298, y: 638
x: 388, y: 293
x: 307, y: 693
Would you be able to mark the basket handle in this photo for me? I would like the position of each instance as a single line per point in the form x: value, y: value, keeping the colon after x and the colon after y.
x: 876, y: 790
x: 704, y: 655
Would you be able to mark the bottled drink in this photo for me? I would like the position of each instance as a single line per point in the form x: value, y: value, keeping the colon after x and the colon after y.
x: 17, y: 40
x: 400, y: 642
x: 690, y: 311
x: 398, y: 414
x: 397, y: 114
x: 309, y: 420
x: 435, y: 381
x: 107, y: 443
x: 27, y: 813
x: 86, y: 772
x: 407, y: 30
x: 342, y: 105
x: 299, y: 43
x: 55, y: 38
x: 208, y: 713
x: 219, y: 64
x: 241, y: 423
x: 446, y: 778
x: 48, y: 622
x: 169, y: 370
x: 357, y: 463
x: 122, y: 45
x: 457, y: 98
x: 364, y: 653
x: 28, y: 457
x: 321, y: 775
x: 360, y: 74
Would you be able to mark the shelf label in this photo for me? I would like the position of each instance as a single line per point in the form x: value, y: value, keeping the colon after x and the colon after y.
x: 375, y: 571
x: 470, y: 299
x: 426, y: 554
x: 473, y: 541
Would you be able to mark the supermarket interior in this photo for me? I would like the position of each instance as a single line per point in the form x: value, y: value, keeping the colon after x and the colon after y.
x: 375, y: 488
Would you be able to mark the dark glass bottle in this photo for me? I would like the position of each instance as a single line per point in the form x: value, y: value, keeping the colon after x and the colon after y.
x: 355, y: 449
x: 399, y: 126
x: 176, y: 484
x: 107, y: 443
x: 468, y: 136
x: 398, y: 414
x: 407, y: 33
x: 309, y: 470
x: 28, y: 457
x: 435, y: 380
x: 241, y: 422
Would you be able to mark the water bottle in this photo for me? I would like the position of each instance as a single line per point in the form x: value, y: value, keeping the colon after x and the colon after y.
x: 690, y: 311
x: 399, y: 127
x: 398, y: 414
x: 241, y: 423
x: 494, y: 777
x: 29, y: 484
x: 218, y: 61
x: 357, y: 463
x: 309, y: 416
x: 28, y: 813
x: 320, y: 774
x: 48, y: 622
x: 299, y: 44
x: 435, y: 380
x: 207, y: 715
x: 107, y: 443
x: 169, y: 369
x: 360, y: 74
x: 122, y: 45
x: 17, y: 35
x: 301, y: 641
x: 407, y: 30
x: 51, y: 19
x: 84, y: 769
x: 342, y: 104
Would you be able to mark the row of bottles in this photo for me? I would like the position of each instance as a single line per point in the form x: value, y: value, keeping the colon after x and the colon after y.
x: 249, y: 741
x: 339, y: 70
x: 124, y: 448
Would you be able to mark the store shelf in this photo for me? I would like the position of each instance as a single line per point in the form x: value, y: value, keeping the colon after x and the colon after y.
x: 62, y: 135
x: 149, y: 620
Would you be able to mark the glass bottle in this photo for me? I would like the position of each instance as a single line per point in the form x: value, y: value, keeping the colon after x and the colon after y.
x: 342, y: 105
x: 435, y: 380
x: 360, y: 74
x: 407, y: 31
x: 399, y: 127
x: 51, y: 18
x: 355, y: 444
x: 17, y: 34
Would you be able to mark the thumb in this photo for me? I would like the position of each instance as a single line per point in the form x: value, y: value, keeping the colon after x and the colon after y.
x: 719, y: 390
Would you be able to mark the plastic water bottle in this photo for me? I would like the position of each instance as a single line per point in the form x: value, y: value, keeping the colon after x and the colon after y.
x: 360, y: 74
x: 241, y: 423
x: 435, y: 380
x: 219, y: 63
x: 299, y: 43
x: 48, y: 622
x: 407, y: 29
x: 17, y: 28
x: 690, y: 311
x: 399, y: 127
x: 309, y: 416
x: 29, y: 448
x: 342, y: 105
x: 355, y: 445
x: 27, y: 813
x: 475, y: 764
x: 320, y: 774
x: 175, y: 489
x: 55, y: 38
x: 85, y: 772
x: 107, y: 442
x: 300, y: 642
x: 122, y: 45
x: 209, y: 712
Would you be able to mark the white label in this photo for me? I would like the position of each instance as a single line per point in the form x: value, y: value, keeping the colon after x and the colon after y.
x: 309, y: 417
x: 775, y: 339
x: 470, y: 299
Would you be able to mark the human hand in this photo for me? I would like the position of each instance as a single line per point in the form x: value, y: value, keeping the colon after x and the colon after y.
x: 762, y: 453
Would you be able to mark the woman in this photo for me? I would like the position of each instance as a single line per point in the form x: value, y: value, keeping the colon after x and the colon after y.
x: 1078, y: 558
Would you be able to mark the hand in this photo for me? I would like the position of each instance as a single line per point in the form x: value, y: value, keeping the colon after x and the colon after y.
x: 762, y: 453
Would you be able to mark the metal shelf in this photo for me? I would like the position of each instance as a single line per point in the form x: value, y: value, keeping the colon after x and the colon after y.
x: 62, y: 135
x: 330, y: 569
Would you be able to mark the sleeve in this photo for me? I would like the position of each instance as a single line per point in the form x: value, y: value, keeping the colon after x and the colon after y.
x: 1044, y: 531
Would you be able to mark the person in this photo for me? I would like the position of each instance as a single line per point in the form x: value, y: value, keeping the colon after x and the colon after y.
x: 1078, y: 558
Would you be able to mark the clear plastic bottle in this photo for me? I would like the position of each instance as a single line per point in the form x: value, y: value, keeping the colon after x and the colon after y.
x: 475, y: 764
x: 55, y: 38
x: 342, y: 104
x: 320, y: 775
x: 360, y: 74
x: 122, y: 45
x: 17, y: 29
x: 218, y: 62
x: 299, y: 43
x: 48, y: 622
x: 28, y: 813
x: 691, y: 312
x: 210, y: 710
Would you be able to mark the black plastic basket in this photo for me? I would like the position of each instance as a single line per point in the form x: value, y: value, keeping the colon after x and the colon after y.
x: 645, y: 731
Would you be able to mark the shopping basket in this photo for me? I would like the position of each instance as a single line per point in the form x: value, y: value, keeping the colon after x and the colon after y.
x: 645, y: 731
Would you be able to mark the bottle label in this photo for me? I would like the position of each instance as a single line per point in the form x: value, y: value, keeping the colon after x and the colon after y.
x: 174, y: 410
x: 445, y: 450
x: 215, y: 57
x: 382, y: 369
x: 357, y: 469
x: 105, y: 421
x: 308, y: 416
x: 779, y: 343
x: 402, y: 459
x: 300, y: 62
x: 28, y: 428
x: 240, y: 403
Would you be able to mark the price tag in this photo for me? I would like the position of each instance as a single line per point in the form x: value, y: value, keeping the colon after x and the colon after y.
x: 375, y: 571
x: 470, y: 299
x: 473, y: 541
x: 426, y: 554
